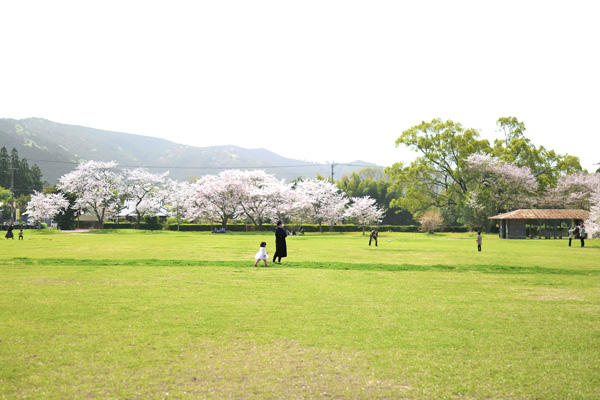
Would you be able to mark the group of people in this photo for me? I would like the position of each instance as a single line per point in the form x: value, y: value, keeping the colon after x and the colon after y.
x: 10, y: 234
x: 280, y: 247
x: 578, y: 232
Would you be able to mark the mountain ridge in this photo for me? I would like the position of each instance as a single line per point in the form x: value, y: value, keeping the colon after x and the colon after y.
x: 56, y: 148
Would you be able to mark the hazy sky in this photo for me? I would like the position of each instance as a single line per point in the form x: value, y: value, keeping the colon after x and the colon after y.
x: 314, y: 80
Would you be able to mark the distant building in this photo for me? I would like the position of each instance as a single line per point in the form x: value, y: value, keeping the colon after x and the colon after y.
x: 545, y: 223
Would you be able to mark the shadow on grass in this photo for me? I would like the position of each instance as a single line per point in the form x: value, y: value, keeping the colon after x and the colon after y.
x: 495, y: 269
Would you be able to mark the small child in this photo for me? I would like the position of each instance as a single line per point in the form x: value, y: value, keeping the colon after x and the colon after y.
x: 479, y: 240
x: 261, y: 255
x: 21, y: 234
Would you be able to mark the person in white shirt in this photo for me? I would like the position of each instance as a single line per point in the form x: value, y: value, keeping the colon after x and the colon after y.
x: 261, y: 254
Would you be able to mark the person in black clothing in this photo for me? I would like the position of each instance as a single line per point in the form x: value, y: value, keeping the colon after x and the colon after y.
x: 9, y: 233
x: 373, y: 236
x: 280, y: 245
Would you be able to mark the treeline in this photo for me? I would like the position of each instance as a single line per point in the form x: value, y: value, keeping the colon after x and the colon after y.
x: 463, y: 179
x: 375, y: 183
x: 467, y: 178
x: 27, y: 179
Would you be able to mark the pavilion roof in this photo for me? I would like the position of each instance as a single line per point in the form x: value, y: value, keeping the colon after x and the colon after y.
x: 544, y: 214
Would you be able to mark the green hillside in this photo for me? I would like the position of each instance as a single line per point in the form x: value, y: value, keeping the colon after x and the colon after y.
x: 56, y: 148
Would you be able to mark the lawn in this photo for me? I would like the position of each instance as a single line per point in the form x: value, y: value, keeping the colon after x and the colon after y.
x: 141, y: 315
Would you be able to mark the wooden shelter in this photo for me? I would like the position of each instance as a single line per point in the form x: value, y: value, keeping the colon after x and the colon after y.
x: 520, y: 224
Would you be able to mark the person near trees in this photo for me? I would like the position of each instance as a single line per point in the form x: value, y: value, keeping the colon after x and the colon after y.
x: 582, y: 235
x: 280, y: 244
x: 571, y: 234
x: 21, y: 234
x: 9, y: 233
x: 373, y: 236
x: 479, y: 241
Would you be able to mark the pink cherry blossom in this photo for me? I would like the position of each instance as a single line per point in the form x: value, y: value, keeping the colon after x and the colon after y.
x: 46, y: 206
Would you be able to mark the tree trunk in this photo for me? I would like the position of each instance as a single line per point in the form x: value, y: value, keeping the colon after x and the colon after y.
x: 100, y: 218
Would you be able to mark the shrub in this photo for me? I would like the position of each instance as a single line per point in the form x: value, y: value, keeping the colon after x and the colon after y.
x: 431, y: 220
x: 151, y: 222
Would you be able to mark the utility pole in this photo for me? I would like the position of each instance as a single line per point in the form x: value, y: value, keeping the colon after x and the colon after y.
x: 12, y: 188
x: 332, y: 165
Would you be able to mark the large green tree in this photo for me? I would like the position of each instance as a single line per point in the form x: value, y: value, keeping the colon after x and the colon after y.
x: 438, y: 176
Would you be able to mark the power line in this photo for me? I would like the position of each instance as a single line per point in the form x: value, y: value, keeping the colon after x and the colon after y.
x: 215, y: 168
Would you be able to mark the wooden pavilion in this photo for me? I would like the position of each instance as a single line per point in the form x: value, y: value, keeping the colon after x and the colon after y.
x: 520, y: 224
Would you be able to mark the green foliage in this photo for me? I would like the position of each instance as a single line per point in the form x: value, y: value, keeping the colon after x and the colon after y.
x: 5, y: 207
x: 151, y: 222
x: 373, y: 182
x: 437, y: 178
x: 26, y: 178
x: 546, y: 165
x: 313, y: 228
x: 4, y: 195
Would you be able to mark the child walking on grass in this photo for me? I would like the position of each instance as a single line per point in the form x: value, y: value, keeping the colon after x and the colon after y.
x: 261, y: 254
x: 479, y: 240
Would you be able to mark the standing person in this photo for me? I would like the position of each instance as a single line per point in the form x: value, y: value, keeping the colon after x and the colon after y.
x: 479, y: 241
x: 9, y: 232
x: 21, y: 234
x: 582, y: 235
x: 280, y: 244
x: 373, y: 236
x: 261, y: 254
x: 571, y: 234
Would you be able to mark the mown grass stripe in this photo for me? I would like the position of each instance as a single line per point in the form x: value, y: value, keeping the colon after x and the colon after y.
x: 485, y: 268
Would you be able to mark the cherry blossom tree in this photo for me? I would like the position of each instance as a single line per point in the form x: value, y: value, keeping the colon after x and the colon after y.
x: 215, y: 198
x: 143, y: 188
x: 96, y: 185
x: 176, y: 195
x: 46, y: 206
x: 593, y: 222
x: 261, y: 196
x: 322, y: 202
x: 286, y: 203
x: 365, y: 211
x: 496, y: 186
x: 572, y: 191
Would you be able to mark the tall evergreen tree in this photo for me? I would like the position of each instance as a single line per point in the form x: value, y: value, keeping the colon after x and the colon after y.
x: 4, y: 168
x: 26, y: 179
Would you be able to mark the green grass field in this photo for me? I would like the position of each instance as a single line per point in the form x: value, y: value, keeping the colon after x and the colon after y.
x: 141, y: 315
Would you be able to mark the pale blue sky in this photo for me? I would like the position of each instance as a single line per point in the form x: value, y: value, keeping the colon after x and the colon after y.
x: 315, y: 80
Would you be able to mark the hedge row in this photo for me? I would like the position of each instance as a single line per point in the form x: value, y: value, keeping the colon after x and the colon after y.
x: 306, y: 227
x: 310, y: 228
x: 271, y: 227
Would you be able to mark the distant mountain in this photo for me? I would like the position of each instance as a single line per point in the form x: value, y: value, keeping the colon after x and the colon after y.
x: 57, y: 148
